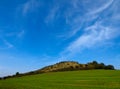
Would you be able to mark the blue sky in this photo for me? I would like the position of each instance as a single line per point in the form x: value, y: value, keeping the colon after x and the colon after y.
x: 36, y: 33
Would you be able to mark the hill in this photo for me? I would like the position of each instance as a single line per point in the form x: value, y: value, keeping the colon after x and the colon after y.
x: 66, y: 66
x: 72, y: 65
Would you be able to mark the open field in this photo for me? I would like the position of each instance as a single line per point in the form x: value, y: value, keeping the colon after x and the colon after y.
x: 85, y: 79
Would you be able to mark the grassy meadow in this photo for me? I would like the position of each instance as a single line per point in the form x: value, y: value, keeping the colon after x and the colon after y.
x: 85, y: 79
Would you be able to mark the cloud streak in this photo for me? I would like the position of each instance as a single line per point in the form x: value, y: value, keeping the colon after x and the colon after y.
x: 21, y: 34
x: 8, y: 44
x: 10, y: 37
x: 52, y: 14
x: 30, y: 6
x: 96, y: 34
x: 102, y: 8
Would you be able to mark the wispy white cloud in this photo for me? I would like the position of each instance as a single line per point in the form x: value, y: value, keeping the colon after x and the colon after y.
x: 101, y: 32
x: 21, y: 34
x: 30, y: 6
x: 94, y: 35
x: 102, y: 8
x: 56, y: 13
x: 89, y: 14
x: 75, y: 17
x: 10, y: 37
x: 95, y: 22
x: 52, y: 14
x: 6, y: 44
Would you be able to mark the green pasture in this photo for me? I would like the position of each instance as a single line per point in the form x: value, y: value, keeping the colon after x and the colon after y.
x: 84, y: 79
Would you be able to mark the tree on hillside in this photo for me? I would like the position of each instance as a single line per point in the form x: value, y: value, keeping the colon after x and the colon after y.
x: 111, y: 67
x: 95, y: 62
x: 17, y: 73
x: 101, y: 66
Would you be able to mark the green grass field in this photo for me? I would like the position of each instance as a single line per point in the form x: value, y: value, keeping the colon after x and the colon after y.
x: 85, y: 79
